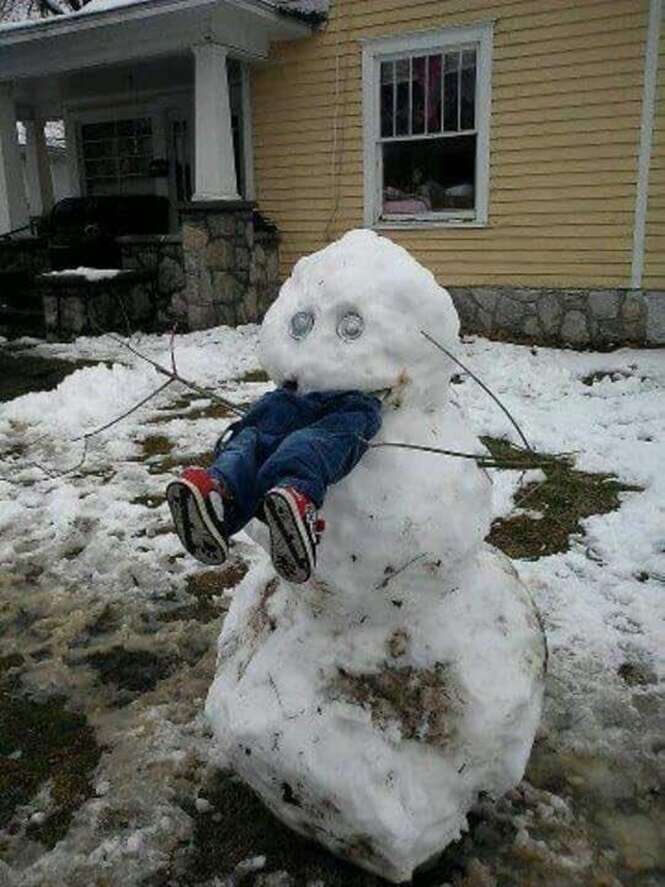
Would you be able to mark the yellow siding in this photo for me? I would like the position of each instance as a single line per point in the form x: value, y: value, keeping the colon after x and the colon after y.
x: 566, y: 104
x: 654, y: 248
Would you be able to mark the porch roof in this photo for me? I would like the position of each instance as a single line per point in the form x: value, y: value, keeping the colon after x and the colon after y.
x: 112, y: 31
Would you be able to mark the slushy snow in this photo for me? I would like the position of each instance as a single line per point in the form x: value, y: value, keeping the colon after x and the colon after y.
x: 370, y: 707
x: 71, y: 547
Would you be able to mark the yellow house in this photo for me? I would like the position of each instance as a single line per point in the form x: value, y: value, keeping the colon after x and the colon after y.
x: 516, y: 147
x: 565, y: 153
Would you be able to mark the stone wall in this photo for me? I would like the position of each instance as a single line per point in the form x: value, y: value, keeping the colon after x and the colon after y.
x: 581, y: 318
x: 161, y: 255
x: 74, y: 305
x: 231, y: 264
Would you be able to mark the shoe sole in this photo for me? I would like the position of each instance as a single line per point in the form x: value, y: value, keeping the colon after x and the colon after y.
x: 291, y: 550
x: 193, y: 524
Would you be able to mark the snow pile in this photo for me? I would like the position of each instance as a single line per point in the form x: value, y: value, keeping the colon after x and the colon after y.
x: 90, y: 274
x: 370, y: 707
x: 87, y: 547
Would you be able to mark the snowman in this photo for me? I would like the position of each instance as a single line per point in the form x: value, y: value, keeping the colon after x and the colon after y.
x: 371, y: 706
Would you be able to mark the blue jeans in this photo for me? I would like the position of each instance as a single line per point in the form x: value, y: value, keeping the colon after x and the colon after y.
x: 307, y: 441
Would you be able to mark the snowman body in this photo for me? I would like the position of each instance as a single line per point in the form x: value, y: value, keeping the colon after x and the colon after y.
x: 370, y: 707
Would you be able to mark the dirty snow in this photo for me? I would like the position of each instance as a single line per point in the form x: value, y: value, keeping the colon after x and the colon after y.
x: 88, y: 565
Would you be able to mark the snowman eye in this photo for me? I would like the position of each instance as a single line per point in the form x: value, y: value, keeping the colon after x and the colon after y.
x: 350, y: 326
x: 301, y: 324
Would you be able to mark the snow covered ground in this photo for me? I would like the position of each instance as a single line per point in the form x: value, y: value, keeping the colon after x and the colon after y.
x: 99, y: 606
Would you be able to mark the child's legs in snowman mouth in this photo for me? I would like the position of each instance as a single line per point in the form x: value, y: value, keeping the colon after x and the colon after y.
x: 305, y: 441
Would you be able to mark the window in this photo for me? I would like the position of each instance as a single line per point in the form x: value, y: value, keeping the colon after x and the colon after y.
x: 426, y: 127
x: 115, y: 150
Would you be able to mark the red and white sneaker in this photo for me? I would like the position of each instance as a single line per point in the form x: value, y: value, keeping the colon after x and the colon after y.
x: 197, y: 509
x: 295, y: 531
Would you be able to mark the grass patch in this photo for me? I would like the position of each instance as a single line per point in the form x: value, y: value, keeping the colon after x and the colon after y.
x: 182, y: 409
x: 134, y: 670
x: 204, y: 587
x: 156, y: 445
x: 254, y: 376
x: 245, y: 828
x: 23, y: 372
x: 172, y: 464
x: 564, y: 498
x: 40, y: 742
x: 153, y: 500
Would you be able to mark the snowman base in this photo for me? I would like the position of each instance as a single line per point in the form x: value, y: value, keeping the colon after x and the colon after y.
x: 371, y: 727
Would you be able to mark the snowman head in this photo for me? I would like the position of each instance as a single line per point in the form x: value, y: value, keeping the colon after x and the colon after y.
x: 350, y: 317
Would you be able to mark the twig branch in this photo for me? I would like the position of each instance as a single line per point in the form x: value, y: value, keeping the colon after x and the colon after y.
x: 137, y: 406
x: 482, y: 385
x: 175, y: 376
x: 482, y: 461
x: 391, y: 576
x: 52, y: 475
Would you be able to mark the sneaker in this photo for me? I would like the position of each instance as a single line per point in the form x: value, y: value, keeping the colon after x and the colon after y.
x: 197, y: 509
x: 295, y: 532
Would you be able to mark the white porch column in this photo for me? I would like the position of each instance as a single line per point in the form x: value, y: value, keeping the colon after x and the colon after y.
x: 38, y: 168
x: 215, y: 167
x: 13, y: 205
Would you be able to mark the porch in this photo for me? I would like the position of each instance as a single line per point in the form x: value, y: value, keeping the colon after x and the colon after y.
x: 156, y: 102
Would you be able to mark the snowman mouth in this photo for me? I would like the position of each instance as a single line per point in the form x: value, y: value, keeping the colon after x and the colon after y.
x: 290, y: 384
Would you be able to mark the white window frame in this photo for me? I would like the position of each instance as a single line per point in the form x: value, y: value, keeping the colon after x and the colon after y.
x: 377, y: 50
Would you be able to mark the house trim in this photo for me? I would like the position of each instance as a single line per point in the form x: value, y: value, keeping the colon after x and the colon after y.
x: 37, y: 29
x: 377, y: 49
x: 646, y: 140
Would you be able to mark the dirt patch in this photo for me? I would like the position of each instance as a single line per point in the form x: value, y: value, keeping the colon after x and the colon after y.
x: 611, y: 375
x: 134, y: 670
x: 41, y: 743
x: 204, y: 587
x: 422, y: 702
x: 637, y: 675
x: 554, y: 507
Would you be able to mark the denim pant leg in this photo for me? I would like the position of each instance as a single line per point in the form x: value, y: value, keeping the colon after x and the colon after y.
x: 253, y: 440
x: 236, y: 466
x: 322, y: 453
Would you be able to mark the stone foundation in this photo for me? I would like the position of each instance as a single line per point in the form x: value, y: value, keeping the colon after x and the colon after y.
x: 581, y: 318
x: 161, y: 256
x: 231, y: 264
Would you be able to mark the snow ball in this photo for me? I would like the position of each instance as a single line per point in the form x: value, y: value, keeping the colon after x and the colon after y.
x: 203, y: 805
x: 252, y: 864
x: 38, y: 818
x: 135, y: 843
x: 102, y: 787
x: 350, y: 317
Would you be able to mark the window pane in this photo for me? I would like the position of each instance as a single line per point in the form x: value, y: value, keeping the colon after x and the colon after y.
x: 98, y: 130
x: 451, y: 92
x: 434, y: 92
x: 387, y: 84
x: 429, y: 175
x: 93, y: 150
x: 403, y: 77
x: 418, y: 95
x: 468, y: 109
x: 100, y: 168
